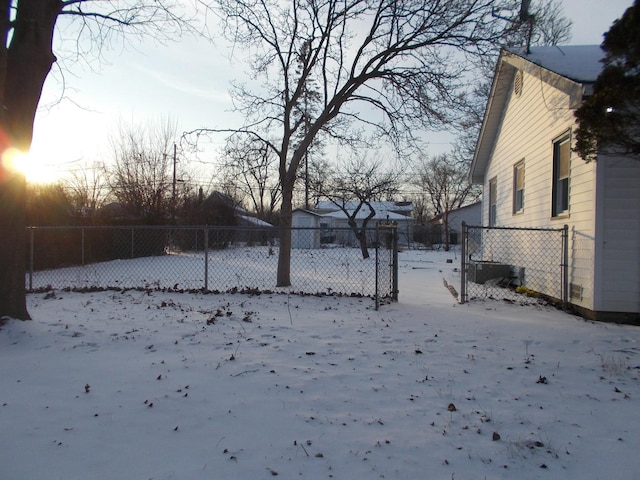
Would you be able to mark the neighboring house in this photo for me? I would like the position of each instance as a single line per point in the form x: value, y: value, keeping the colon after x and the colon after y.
x: 532, y: 178
x: 220, y: 206
x: 401, y: 208
x: 117, y: 213
x: 470, y: 214
x: 306, y: 233
x: 252, y: 230
x: 399, y: 212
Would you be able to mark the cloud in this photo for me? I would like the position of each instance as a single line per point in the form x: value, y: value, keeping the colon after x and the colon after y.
x: 182, y: 84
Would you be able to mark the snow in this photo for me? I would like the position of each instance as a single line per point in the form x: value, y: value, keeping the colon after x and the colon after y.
x: 151, y: 385
x: 383, y: 210
x: 582, y: 63
x: 336, y: 269
x: 254, y: 221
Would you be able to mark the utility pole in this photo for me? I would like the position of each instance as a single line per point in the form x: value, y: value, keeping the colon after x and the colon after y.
x: 173, y: 193
x: 306, y: 153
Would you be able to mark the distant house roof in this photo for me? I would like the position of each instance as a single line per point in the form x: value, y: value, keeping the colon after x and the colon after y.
x: 382, y: 209
x: 116, y: 210
x: 364, y: 213
x: 254, y: 221
x: 478, y: 204
x: 571, y: 69
x: 307, y: 212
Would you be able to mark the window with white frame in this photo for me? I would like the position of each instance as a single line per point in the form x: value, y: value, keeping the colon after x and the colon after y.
x: 518, y: 187
x: 493, y: 201
x: 560, y: 187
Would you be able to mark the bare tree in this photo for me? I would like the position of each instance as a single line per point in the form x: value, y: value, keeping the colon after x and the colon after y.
x: 27, y: 30
x: 88, y: 189
x: 141, y: 175
x: 48, y: 205
x: 354, y: 187
x: 421, y: 208
x: 404, y: 59
x: 421, y: 213
x: 316, y: 176
x: 251, y: 167
x: 541, y: 22
x: 446, y: 182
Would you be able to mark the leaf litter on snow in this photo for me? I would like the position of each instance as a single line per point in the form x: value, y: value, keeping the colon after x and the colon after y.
x: 191, y: 384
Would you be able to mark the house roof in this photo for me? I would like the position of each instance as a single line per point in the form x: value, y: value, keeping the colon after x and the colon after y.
x: 470, y: 206
x: 381, y: 208
x: 364, y: 212
x: 306, y: 212
x: 255, y: 221
x: 571, y: 69
x: 580, y: 63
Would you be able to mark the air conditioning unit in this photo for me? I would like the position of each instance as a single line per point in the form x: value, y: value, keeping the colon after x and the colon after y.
x: 482, y: 271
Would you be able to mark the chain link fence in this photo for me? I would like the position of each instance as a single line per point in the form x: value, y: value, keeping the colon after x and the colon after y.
x: 386, y: 263
x: 212, y: 259
x: 514, y: 263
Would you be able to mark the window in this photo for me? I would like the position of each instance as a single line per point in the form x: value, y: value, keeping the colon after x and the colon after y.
x: 518, y: 187
x: 493, y: 201
x: 560, y: 190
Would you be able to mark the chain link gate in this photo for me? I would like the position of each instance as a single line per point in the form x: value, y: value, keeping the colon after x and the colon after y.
x: 386, y: 263
x: 514, y: 263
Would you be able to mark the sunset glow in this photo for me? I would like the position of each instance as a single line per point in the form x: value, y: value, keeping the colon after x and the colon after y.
x: 29, y: 165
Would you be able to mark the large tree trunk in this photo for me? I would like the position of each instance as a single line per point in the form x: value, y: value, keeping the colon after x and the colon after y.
x: 27, y: 62
x: 445, y: 220
x: 363, y: 244
x: 361, y: 235
x: 284, y: 252
x: 13, y: 250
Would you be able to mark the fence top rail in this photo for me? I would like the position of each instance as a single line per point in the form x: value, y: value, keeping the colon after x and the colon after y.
x: 534, y: 229
x: 258, y: 228
x: 150, y: 227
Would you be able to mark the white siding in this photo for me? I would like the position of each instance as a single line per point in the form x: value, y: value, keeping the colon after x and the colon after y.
x: 471, y: 215
x: 530, y: 124
x: 305, y: 239
x: 620, y: 244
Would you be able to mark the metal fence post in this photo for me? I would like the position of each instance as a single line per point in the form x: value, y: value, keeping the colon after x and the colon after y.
x: 394, y: 253
x: 206, y: 258
x: 132, y: 249
x: 463, y: 267
x: 82, y: 248
x: 30, y: 258
x: 377, y: 284
x: 565, y: 266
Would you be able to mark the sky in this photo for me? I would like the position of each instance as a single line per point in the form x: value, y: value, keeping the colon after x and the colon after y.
x: 187, y: 81
x: 140, y: 385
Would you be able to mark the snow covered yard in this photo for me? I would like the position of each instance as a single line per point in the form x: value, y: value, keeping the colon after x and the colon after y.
x: 153, y: 385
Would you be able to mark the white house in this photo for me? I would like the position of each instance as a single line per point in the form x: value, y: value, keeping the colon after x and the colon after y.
x: 470, y: 214
x: 399, y: 212
x: 306, y: 233
x: 532, y: 178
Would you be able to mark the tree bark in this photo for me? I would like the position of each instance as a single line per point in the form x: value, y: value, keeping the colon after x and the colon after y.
x: 445, y: 221
x: 284, y: 251
x: 28, y: 61
x: 361, y: 236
